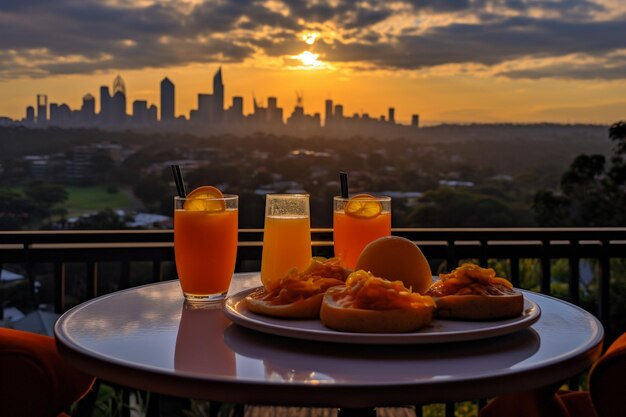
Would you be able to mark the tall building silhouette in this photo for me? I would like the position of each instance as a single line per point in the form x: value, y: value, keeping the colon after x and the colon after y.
x: 168, y: 109
x: 238, y: 106
x: 218, y: 98
x: 118, y: 101
x: 205, y: 107
x: 105, y: 105
x: 274, y: 113
x: 391, y: 115
x: 140, y: 111
x: 328, y: 114
x: 42, y: 109
x: 88, y: 109
x: 339, y: 111
x: 30, y: 115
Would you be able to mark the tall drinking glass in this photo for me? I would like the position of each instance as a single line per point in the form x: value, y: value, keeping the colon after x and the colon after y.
x: 205, y: 245
x: 358, y: 221
x: 286, y: 236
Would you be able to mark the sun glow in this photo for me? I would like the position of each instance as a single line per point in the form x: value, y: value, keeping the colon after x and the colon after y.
x: 309, y: 59
x: 310, y: 37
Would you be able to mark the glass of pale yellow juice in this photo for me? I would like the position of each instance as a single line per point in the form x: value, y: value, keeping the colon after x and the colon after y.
x: 286, y: 236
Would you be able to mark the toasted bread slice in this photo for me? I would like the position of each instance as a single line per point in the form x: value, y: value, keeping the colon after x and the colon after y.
x: 308, y: 308
x: 338, y: 316
x: 480, y: 307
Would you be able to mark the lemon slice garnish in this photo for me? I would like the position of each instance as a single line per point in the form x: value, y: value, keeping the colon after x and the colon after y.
x: 205, y: 198
x: 363, y: 206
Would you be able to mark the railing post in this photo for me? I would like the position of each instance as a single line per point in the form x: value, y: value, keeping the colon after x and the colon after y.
x: 157, y: 268
x: 451, y: 260
x: 484, y: 259
x: 59, y: 287
x: 30, y: 276
x: 514, y: 262
x: 545, y: 267
x: 574, y: 273
x: 124, y: 275
x: 92, y: 279
x: 605, y: 288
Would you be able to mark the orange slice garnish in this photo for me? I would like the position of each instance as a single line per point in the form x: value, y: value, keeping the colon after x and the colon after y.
x: 363, y: 206
x: 205, y: 198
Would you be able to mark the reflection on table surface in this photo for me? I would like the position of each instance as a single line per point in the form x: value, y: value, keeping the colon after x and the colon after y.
x: 151, y: 327
x: 293, y: 360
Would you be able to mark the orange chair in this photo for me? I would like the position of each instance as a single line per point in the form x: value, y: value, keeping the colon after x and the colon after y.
x: 34, y: 380
x: 605, y: 397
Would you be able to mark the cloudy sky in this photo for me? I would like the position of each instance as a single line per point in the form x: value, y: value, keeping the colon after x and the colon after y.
x: 448, y: 60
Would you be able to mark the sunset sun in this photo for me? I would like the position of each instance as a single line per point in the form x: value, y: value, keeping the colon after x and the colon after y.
x: 309, y: 60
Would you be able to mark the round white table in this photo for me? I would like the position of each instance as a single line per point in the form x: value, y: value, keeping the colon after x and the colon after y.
x: 148, y: 338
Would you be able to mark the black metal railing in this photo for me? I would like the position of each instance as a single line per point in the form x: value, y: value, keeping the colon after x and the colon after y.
x: 447, y: 246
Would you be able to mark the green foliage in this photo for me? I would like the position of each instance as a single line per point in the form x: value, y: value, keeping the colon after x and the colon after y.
x: 110, y: 402
x: 449, y: 207
x: 95, y: 198
x: 17, y: 212
x: 590, y: 194
x: 206, y: 409
x: 155, y: 194
x: 461, y: 409
x: 102, y: 220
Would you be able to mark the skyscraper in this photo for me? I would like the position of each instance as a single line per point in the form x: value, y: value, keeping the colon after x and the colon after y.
x: 140, y: 111
x: 105, y: 105
x: 118, y: 101
x: 218, y: 98
x: 168, y: 109
x: 391, y: 115
x: 30, y: 115
x: 339, y: 111
x: 238, y: 106
x: 88, y: 110
x: 328, y: 115
x: 205, y: 107
x: 42, y: 109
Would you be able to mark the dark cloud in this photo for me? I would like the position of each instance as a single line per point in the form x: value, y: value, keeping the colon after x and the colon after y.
x: 441, y: 5
x: 70, y: 36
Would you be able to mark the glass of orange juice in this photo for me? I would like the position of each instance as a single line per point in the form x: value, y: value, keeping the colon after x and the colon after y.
x: 356, y: 222
x: 205, y: 244
x: 286, y: 236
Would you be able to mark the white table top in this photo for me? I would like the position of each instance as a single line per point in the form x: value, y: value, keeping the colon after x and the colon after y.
x: 147, y: 338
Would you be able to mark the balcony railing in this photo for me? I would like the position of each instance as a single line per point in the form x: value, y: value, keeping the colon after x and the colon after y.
x: 443, y: 247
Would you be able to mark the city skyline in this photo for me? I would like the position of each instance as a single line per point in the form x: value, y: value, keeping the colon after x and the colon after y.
x: 212, y: 115
x: 479, y: 61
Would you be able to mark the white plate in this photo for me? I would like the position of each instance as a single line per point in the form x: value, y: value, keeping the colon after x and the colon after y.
x: 439, y: 331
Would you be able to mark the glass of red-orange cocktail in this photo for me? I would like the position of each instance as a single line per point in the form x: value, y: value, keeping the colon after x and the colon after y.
x: 205, y: 243
x: 356, y: 222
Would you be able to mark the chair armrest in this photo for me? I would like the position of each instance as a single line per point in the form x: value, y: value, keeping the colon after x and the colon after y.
x: 35, y: 380
x: 606, y: 380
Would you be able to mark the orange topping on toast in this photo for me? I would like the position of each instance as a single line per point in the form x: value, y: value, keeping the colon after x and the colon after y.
x: 364, y: 290
x: 317, y: 278
x: 470, y: 279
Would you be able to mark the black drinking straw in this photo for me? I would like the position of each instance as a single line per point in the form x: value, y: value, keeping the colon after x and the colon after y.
x: 343, y: 179
x: 178, y: 179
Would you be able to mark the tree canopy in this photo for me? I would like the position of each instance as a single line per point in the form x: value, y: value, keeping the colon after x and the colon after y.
x: 590, y: 192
